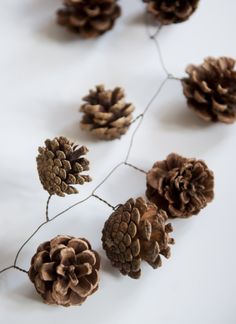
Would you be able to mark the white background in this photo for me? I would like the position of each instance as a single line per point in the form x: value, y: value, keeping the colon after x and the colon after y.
x: 44, y: 73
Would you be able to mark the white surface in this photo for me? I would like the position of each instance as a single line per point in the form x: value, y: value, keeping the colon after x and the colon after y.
x: 44, y: 73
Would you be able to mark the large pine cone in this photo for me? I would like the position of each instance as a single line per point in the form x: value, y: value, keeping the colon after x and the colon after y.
x: 171, y: 11
x: 59, y: 165
x: 106, y: 114
x: 211, y: 89
x: 89, y: 18
x: 65, y: 270
x: 180, y: 186
x: 136, y: 231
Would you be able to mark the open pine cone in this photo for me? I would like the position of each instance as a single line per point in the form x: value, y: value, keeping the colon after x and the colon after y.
x: 136, y: 231
x: 60, y: 164
x: 65, y: 270
x: 180, y: 186
x: 171, y: 11
x: 89, y: 18
x: 106, y: 114
x: 210, y: 89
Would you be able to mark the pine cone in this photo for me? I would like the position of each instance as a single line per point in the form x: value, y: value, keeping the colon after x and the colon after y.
x: 171, y: 12
x: 136, y: 231
x: 65, y: 271
x: 106, y: 115
x: 180, y: 186
x: 60, y: 164
x: 210, y: 89
x: 89, y: 18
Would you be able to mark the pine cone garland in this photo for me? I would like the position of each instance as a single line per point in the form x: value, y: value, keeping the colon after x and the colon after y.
x: 136, y: 231
x: 65, y: 270
x: 60, y: 164
x: 171, y: 12
x: 89, y: 18
x: 210, y: 89
x: 106, y: 114
x: 180, y: 186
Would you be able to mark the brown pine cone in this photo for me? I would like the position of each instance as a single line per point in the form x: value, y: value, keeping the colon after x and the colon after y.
x: 106, y: 114
x: 171, y: 12
x: 136, y: 231
x: 89, y: 18
x: 60, y: 164
x: 180, y: 186
x: 210, y: 89
x: 65, y: 270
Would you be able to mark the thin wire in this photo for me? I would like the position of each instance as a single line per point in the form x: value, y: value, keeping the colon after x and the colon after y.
x: 140, y: 119
x: 134, y: 167
x: 44, y: 223
x: 104, y: 201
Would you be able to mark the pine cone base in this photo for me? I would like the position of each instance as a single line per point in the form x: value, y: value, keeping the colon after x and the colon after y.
x: 180, y: 186
x: 210, y: 89
x: 65, y: 271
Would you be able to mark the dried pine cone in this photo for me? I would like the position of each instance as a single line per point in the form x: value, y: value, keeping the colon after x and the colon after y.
x: 106, y: 114
x: 60, y: 164
x: 171, y: 11
x: 180, y: 186
x: 136, y: 231
x: 211, y: 89
x: 65, y: 270
x: 89, y: 18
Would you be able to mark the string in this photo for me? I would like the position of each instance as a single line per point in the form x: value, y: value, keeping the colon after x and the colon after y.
x: 138, y: 119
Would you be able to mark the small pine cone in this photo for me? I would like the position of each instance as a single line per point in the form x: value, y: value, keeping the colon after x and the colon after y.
x: 136, y: 231
x: 210, y: 89
x: 171, y: 12
x: 65, y: 270
x: 60, y: 164
x: 89, y: 18
x: 106, y: 114
x: 180, y: 186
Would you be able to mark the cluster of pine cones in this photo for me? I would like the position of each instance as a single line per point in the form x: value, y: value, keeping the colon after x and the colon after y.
x: 65, y: 270
x: 92, y: 18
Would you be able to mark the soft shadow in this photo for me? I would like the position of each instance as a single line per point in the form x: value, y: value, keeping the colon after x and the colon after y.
x: 55, y: 32
x: 29, y: 293
x: 74, y: 132
x: 106, y: 265
x: 139, y: 19
x: 182, y: 117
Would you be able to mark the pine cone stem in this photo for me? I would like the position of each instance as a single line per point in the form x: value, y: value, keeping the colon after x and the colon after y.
x: 47, y: 207
x: 104, y: 201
